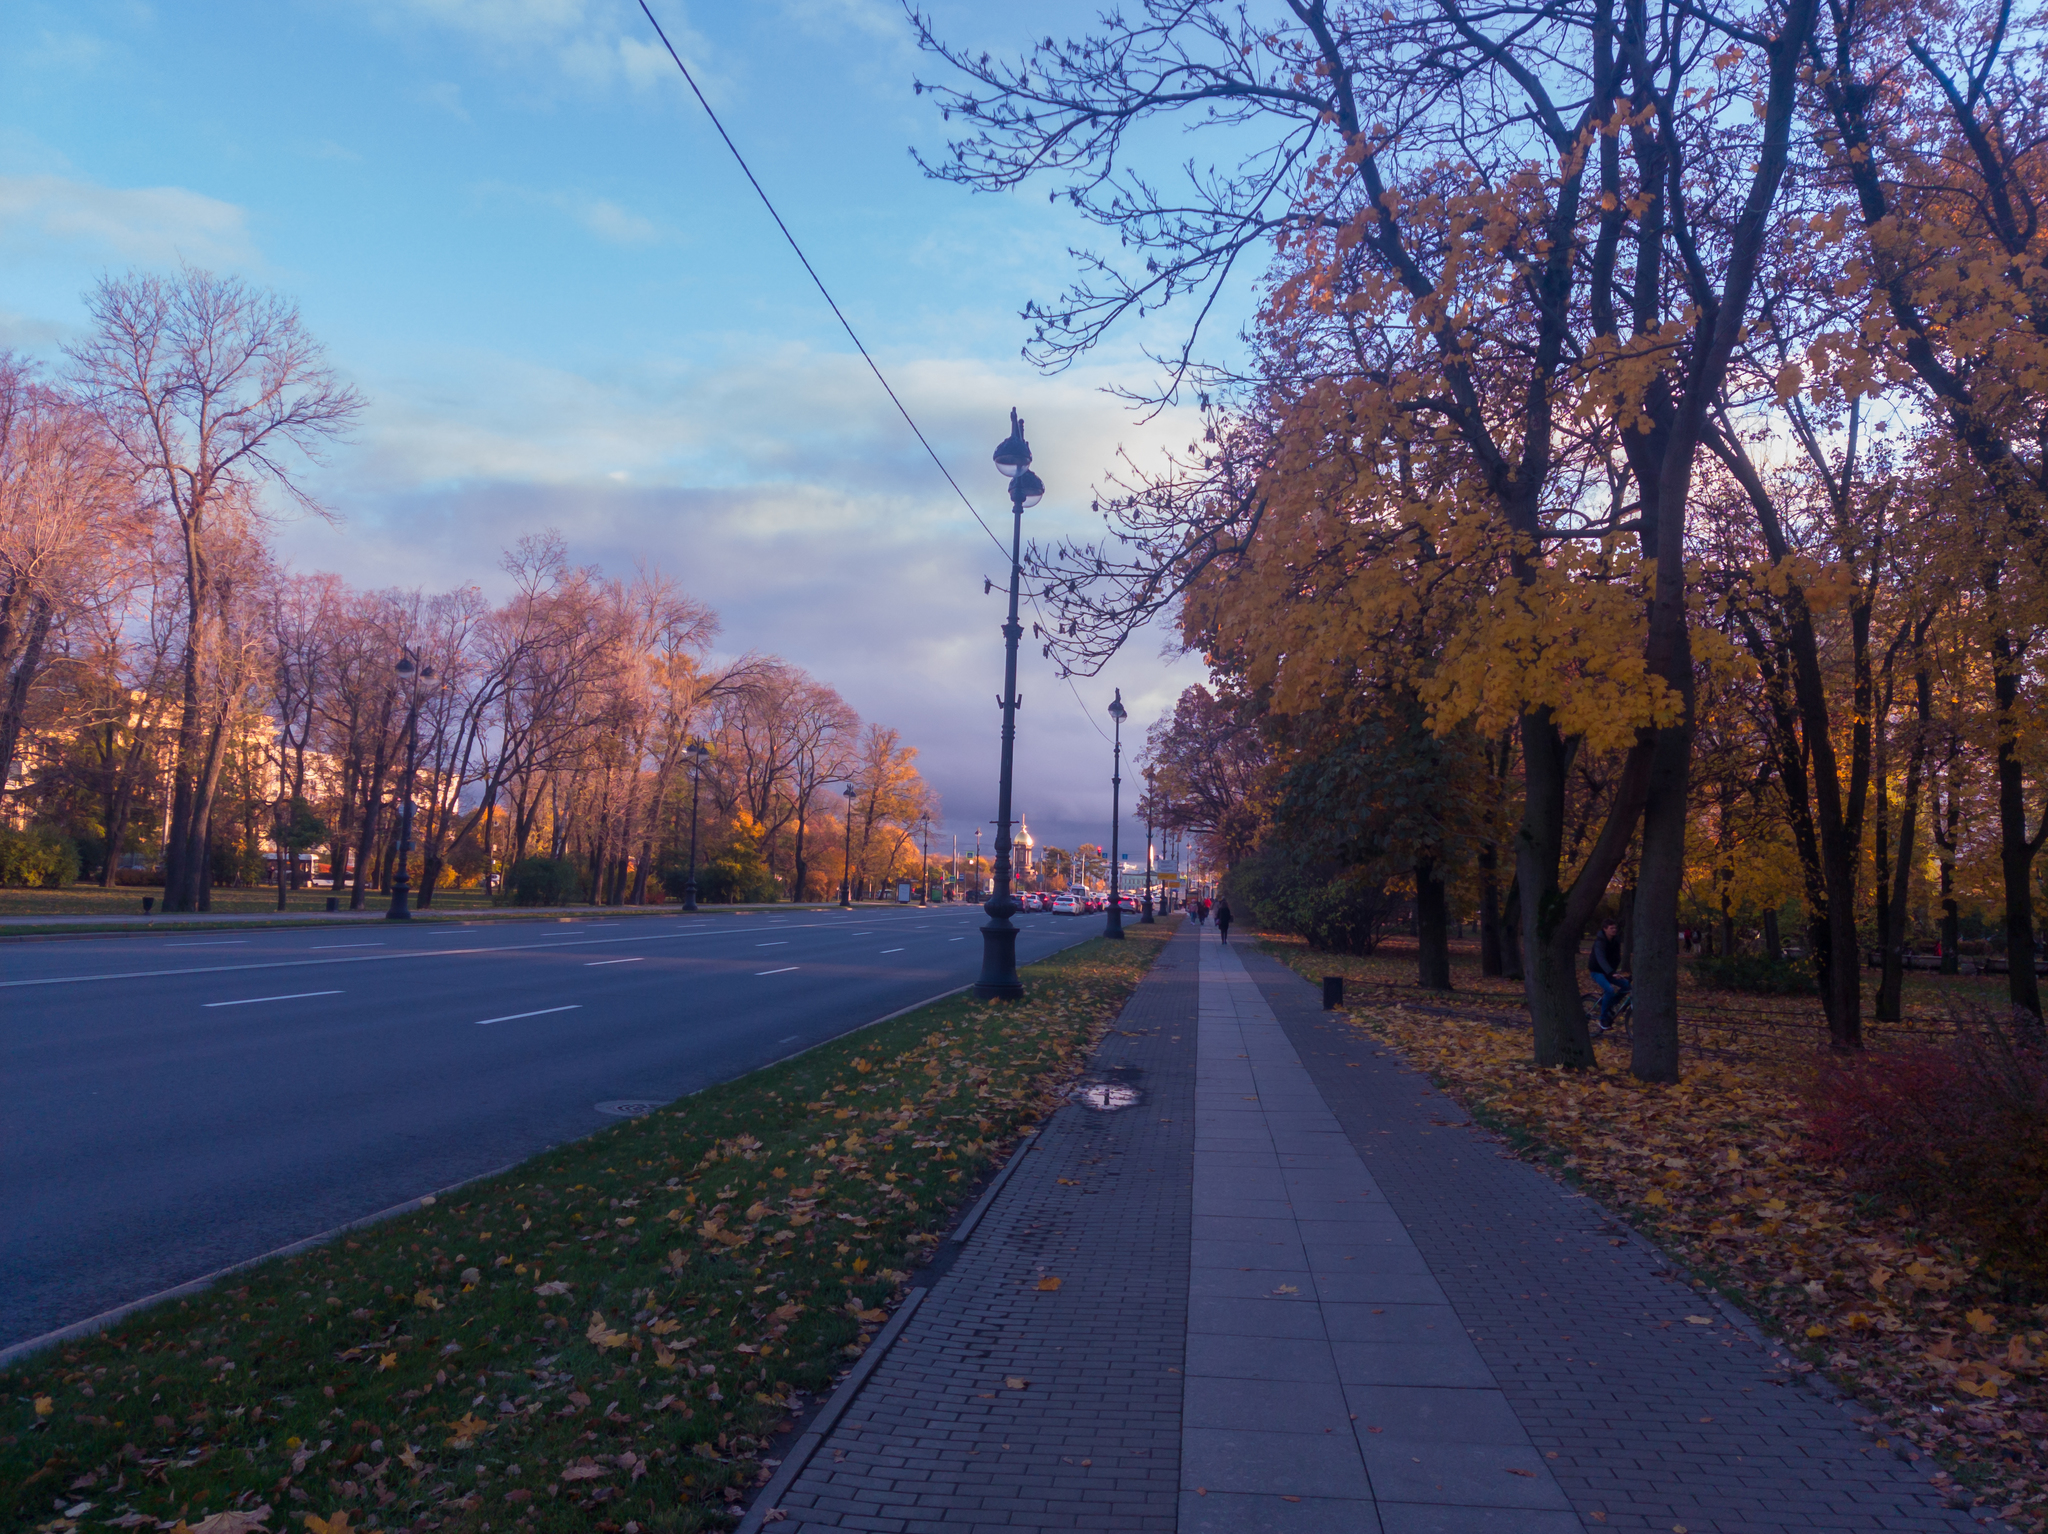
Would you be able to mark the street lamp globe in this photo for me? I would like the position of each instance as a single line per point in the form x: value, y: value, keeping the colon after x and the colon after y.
x: 1027, y: 489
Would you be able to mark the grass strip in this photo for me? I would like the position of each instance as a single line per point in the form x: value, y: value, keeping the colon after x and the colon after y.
x: 610, y: 1336
x: 1907, y: 1318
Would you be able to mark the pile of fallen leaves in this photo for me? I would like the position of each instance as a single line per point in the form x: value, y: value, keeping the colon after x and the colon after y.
x: 1714, y: 1170
x: 610, y: 1337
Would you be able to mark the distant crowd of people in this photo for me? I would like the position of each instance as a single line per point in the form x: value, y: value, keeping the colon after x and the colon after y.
x: 1200, y: 910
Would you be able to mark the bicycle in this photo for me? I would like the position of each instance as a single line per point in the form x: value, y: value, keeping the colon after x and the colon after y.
x: 1623, y: 1012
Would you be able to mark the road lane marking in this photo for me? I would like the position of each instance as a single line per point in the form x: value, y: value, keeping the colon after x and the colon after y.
x: 485, y: 1022
x: 782, y: 971
x: 956, y: 939
x: 250, y: 1001
x: 781, y: 942
x: 226, y: 942
x: 328, y: 947
x: 790, y: 1040
x: 892, y: 950
x: 600, y: 963
x: 373, y: 958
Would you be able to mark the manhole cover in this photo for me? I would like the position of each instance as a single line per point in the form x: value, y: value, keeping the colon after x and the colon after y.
x: 1105, y: 1096
x: 629, y: 1107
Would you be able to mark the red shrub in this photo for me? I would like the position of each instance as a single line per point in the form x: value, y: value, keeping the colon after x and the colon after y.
x: 1959, y: 1131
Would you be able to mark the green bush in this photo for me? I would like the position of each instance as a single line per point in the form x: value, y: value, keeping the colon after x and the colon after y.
x: 545, y: 881
x: 736, y: 876
x: 1758, y: 974
x: 1335, y: 908
x: 38, y: 858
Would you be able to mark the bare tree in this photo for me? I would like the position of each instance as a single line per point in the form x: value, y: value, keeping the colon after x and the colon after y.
x: 214, y: 392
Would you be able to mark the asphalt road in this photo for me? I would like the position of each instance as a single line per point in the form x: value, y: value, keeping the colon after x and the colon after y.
x: 174, y: 1103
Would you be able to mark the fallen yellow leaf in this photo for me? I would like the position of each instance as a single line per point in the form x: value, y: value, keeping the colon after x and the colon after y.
x: 1048, y: 1283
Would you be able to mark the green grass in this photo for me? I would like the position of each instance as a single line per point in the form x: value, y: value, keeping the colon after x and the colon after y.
x: 718, y: 1261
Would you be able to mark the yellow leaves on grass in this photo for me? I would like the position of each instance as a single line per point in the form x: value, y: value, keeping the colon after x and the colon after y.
x: 45, y: 1406
x: 602, y: 1335
x: 467, y: 1429
x: 337, y: 1524
x: 426, y: 1301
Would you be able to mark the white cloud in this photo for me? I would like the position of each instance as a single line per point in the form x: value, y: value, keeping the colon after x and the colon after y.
x: 144, y: 224
x: 595, y: 44
x: 608, y: 220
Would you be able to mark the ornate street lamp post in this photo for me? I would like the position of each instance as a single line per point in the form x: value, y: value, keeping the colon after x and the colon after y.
x: 999, y: 936
x: 1114, y: 927
x: 924, y: 876
x: 1147, y: 920
x: 846, y: 883
x: 698, y: 754
x: 415, y: 678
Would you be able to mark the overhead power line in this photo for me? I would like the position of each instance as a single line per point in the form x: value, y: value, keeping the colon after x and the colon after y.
x: 847, y: 325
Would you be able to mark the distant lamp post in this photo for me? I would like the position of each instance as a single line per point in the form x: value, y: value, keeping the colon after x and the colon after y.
x: 1150, y: 787
x: 846, y: 883
x: 999, y: 936
x: 924, y: 877
x: 699, y: 754
x: 978, y: 881
x: 1114, y: 927
x: 416, y: 679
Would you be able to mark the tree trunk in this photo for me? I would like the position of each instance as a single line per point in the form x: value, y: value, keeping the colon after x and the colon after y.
x: 1511, y: 967
x: 2015, y: 848
x: 1432, y: 929
x: 1490, y: 960
x: 1774, y: 945
x: 1654, y: 1054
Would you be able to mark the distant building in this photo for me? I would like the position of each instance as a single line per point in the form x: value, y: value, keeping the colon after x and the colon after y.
x: 1024, y: 848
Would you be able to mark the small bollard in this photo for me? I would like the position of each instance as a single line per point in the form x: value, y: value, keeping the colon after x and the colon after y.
x: 1333, y: 992
x: 148, y: 904
x: 334, y: 902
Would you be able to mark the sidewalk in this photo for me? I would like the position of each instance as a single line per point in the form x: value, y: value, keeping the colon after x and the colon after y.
x: 1300, y: 1292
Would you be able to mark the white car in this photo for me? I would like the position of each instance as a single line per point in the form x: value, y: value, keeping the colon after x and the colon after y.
x: 1066, y: 905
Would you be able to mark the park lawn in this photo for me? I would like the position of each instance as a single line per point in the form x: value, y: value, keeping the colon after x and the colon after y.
x: 1713, y: 1169
x: 611, y: 1336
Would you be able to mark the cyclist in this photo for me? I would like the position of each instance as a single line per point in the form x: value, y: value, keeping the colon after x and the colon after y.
x: 1605, y: 968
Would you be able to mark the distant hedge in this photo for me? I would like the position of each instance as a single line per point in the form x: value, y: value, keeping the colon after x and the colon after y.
x: 545, y: 881
x: 1756, y: 973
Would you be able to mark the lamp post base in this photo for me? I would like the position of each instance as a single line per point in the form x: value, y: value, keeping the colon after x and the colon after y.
x: 1146, y: 920
x: 999, y: 980
x: 1114, y: 927
x: 690, y: 896
x: 399, y: 909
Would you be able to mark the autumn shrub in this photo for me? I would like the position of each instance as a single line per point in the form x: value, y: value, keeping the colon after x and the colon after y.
x: 1758, y: 974
x: 1957, y: 1130
x: 544, y: 881
x: 37, y: 858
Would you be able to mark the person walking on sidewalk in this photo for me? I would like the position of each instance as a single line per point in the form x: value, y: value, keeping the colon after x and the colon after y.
x: 1223, y: 920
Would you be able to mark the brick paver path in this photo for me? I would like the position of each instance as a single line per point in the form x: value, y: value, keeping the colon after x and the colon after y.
x: 941, y: 1437
x: 1387, y: 1326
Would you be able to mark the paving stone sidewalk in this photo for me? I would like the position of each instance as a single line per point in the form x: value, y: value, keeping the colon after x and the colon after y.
x: 1647, y: 1420
x: 1387, y: 1325
x: 943, y: 1436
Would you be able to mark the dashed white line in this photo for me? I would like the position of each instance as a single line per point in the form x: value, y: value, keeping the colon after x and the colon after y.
x: 514, y: 1016
x: 782, y: 971
x: 600, y: 963
x: 225, y: 942
x: 956, y: 939
x: 892, y: 950
x: 250, y: 1001
x: 781, y: 942
x: 329, y: 947
x: 790, y: 1040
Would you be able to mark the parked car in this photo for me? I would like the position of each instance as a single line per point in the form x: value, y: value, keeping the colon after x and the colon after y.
x: 1033, y: 900
x: 1067, y: 905
x: 1129, y: 902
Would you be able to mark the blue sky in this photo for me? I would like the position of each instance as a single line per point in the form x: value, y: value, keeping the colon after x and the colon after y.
x: 517, y: 234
